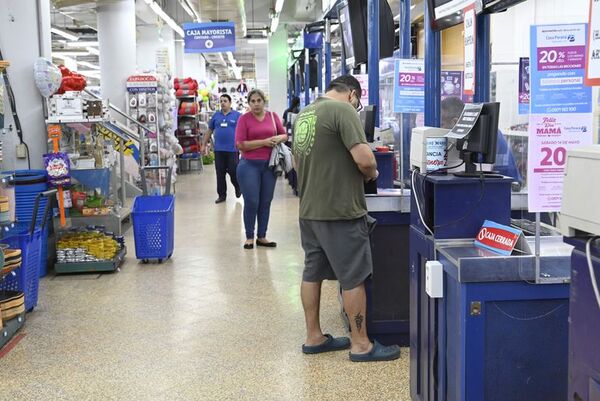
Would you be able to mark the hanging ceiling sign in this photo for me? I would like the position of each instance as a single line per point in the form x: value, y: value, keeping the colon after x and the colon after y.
x: 210, y: 37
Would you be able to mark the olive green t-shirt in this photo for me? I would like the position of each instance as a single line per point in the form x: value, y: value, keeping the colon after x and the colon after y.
x: 330, y: 185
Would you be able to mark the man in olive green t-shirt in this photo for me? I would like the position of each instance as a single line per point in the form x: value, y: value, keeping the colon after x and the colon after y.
x: 333, y: 160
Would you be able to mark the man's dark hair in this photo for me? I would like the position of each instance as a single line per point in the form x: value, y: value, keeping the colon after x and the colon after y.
x: 225, y: 95
x: 452, y: 107
x: 295, y: 102
x: 345, y: 83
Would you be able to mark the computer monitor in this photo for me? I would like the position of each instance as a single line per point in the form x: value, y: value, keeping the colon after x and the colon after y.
x: 479, y: 146
x: 367, y: 117
x: 354, y: 35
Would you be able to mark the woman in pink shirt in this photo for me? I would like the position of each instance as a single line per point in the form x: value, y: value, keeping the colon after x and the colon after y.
x: 256, y: 134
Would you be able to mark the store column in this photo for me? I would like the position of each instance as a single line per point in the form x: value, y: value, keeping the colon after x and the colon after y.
x: 24, y: 36
x: 278, y: 58
x: 117, y: 40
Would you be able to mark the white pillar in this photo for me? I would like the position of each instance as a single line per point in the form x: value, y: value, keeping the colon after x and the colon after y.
x: 24, y: 36
x: 116, y: 37
x: 278, y: 58
x: 149, y: 41
x: 178, y: 59
x: 194, y: 66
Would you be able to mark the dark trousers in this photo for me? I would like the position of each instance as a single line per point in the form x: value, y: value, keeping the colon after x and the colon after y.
x: 226, y: 163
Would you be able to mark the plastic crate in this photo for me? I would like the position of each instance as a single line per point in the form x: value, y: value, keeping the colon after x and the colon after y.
x: 27, y: 277
x: 153, y: 226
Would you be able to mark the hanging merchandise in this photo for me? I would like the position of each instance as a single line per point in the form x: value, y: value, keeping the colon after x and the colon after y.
x: 71, y: 81
x: 48, y: 77
x: 58, y: 168
x: 54, y: 134
x: 188, y: 111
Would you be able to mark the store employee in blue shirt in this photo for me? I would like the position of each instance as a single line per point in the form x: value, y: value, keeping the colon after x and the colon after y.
x: 223, y: 124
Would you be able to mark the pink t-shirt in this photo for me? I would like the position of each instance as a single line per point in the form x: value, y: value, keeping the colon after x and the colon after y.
x: 250, y: 129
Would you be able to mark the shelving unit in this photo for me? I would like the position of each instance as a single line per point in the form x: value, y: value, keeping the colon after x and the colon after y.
x: 10, y: 327
x: 188, y: 133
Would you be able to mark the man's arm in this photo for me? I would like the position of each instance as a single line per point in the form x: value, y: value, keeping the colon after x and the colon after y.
x: 365, y: 161
x: 205, y: 139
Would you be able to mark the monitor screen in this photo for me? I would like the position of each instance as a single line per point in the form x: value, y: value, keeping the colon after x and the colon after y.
x: 347, y: 34
x: 447, y: 13
x: 367, y: 117
x: 480, y: 144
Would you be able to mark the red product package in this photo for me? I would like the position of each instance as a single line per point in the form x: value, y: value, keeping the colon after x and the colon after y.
x: 71, y: 81
x: 188, y: 108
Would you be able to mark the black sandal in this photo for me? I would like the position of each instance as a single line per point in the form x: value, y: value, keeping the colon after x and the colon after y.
x: 248, y: 246
x: 266, y: 244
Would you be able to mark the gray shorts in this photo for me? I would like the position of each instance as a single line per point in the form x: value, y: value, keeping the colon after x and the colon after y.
x: 337, y: 250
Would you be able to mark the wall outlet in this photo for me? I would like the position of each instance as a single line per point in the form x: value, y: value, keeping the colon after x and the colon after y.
x: 434, y: 279
x: 21, y: 151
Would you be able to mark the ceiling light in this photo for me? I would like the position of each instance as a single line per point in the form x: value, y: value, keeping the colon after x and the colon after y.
x: 165, y: 17
x: 258, y: 41
x: 279, y: 6
x: 82, y: 44
x: 90, y: 74
x: 64, y: 33
x: 291, y: 40
x: 396, y: 17
x: 413, y: 7
x: 63, y: 54
x: 274, y: 23
x: 89, y: 65
x: 93, y: 51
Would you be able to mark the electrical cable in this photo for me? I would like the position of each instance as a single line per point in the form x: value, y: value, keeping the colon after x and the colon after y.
x: 417, y: 202
x: 588, y: 254
x: 13, y: 106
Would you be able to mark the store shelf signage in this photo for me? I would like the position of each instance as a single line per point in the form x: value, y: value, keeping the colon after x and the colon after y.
x: 209, y: 37
x: 142, y: 83
x: 561, y: 109
x: 524, y: 85
x: 363, y: 80
x: 592, y: 67
x: 469, y: 59
x: 409, y: 86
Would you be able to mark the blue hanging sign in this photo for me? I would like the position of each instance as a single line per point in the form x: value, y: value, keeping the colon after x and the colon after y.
x: 409, y: 86
x: 209, y: 37
x: 557, y: 67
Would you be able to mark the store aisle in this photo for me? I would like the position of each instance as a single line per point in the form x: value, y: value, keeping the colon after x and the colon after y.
x: 216, y: 322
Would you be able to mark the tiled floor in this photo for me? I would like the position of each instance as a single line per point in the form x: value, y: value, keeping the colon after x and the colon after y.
x: 216, y: 322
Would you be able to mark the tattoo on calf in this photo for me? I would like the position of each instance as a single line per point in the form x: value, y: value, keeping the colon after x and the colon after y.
x: 358, y: 319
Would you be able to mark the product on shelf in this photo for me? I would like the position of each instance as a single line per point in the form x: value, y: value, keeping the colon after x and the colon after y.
x: 4, y: 210
x: 12, y: 304
x: 12, y: 261
x: 87, y: 246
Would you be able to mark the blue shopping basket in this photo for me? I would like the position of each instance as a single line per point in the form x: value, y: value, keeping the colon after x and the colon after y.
x: 28, y: 238
x: 154, y: 222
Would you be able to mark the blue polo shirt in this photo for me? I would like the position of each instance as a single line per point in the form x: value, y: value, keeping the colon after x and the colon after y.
x: 223, y: 127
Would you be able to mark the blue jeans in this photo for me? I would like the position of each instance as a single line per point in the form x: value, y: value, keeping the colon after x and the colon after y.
x: 257, y: 182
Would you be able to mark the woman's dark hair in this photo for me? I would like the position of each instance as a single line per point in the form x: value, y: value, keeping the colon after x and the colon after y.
x: 227, y: 97
x: 257, y: 92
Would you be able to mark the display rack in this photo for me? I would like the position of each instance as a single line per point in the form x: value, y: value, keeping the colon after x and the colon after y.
x: 8, y: 328
x: 188, y: 128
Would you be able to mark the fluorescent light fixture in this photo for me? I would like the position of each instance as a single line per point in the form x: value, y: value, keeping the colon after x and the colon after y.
x: 397, y: 30
x: 396, y: 17
x: 89, y: 65
x: 64, y: 33
x: 258, y: 41
x: 274, y: 23
x: 90, y: 74
x: 83, y: 44
x: 291, y: 40
x: 231, y: 59
x: 413, y: 7
x: 189, y: 8
x: 335, y: 27
x: 93, y: 51
x: 278, y: 6
x: 70, y: 54
x: 165, y: 17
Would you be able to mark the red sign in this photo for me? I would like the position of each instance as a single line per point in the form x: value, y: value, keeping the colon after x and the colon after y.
x: 497, y: 238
